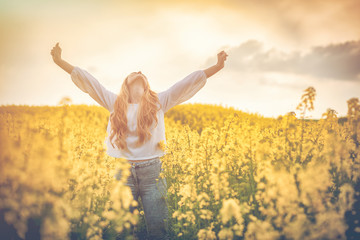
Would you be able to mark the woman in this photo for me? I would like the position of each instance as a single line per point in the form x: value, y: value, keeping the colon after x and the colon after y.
x: 136, y: 130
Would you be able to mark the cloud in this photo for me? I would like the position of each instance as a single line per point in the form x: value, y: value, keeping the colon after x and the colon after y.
x: 337, y: 61
x: 303, y: 21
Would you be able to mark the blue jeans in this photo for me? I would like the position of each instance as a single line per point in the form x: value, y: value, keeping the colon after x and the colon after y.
x: 153, y: 193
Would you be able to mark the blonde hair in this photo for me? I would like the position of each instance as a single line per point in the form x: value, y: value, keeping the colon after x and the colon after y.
x: 146, y: 115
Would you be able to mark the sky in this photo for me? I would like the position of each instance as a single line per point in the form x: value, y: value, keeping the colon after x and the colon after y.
x: 276, y: 49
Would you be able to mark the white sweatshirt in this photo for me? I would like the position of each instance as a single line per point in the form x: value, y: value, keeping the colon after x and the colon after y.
x: 176, y: 94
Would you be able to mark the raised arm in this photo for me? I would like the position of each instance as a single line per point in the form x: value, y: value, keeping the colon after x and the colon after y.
x: 85, y: 81
x: 189, y: 86
x: 218, y: 66
x: 182, y: 90
x: 56, y: 55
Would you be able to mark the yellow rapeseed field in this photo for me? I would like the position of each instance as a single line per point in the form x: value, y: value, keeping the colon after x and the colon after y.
x: 230, y: 174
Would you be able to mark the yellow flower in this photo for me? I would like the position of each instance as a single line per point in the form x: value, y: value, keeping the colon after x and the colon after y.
x: 225, y: 233
x: 161, y: 145
x: 230, y: 209
x: 206, y: 234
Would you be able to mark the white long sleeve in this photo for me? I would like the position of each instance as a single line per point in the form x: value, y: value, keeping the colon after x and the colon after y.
x: 89, y: 84
x: 182, y: 90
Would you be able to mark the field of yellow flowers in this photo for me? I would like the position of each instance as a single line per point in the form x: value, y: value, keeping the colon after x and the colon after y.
x: 230, y: 174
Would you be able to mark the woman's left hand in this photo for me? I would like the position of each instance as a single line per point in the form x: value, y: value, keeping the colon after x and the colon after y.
x: 221, y: 58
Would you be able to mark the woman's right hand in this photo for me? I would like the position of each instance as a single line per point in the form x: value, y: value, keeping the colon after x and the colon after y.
x: 56, y: 53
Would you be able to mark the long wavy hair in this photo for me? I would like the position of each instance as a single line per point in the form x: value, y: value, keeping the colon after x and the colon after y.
x: 146, y: 115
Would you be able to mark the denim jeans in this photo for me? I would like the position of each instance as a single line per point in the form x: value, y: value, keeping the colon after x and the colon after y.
x: 143, y: 183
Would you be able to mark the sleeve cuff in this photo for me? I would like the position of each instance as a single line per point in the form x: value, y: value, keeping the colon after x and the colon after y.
x: 203, y: 74
x: 73, y: 71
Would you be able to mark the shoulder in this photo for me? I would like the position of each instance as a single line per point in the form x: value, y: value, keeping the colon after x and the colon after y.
x: 162, y: 96
x: 162, y: 99
x: 112, y: 98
